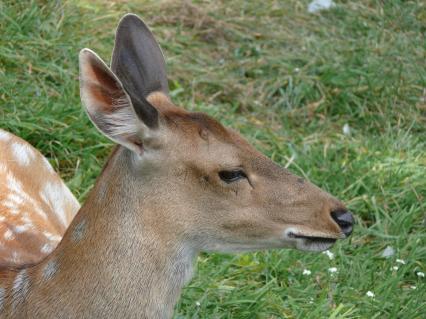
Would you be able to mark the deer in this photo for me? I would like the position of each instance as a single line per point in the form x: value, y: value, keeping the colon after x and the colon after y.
x: 177, y: 183
x: 36, y: 207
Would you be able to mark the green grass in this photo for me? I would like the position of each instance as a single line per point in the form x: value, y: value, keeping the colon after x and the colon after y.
x: 289, y: 81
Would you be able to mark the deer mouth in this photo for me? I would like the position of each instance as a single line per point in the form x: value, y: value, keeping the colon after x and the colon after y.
x: 312, y: 243
x: 315, y: 239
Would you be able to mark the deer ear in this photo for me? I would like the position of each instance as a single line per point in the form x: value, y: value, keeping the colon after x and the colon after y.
x: 109, y: 106
x: 137, y: 59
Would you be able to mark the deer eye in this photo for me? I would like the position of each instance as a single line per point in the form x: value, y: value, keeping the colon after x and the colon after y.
x: 232, y: 176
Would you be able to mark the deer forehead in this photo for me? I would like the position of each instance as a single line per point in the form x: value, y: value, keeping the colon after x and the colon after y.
x: 199, y: 129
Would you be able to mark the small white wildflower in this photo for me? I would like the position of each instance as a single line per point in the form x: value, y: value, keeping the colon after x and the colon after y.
x: 197, y: 303
x: 332, y: 270
x: 370, y: 294
x: 400, y: 261
x: 420, y: 274
x: 395, y: 268
x: 306, y: 272
x: 329, y: 254
x: 413, y: 287
x: 297, y: 70
x: 346, y: 129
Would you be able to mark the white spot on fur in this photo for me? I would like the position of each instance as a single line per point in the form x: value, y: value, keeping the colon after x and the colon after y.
x: 13, y: 184
x: 21, y: 280
x: 15, y: 198
x: 52, y: 194
x: 26, y: 218
x: 40, y: 211
x: 22, y: 228
x: 21, y: 286
x: 12, y: 202
x: 23, y: 153
x: 78, y: 231
x: 50, y: 269
x: 52, y: 237
x: 47, y: 248
x: 5, y: 136
x: 8, y: 235
x: 16, y: 187
x: 8, y: 204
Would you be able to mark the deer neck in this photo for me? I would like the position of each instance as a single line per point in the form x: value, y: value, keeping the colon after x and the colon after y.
x: 112, y: 260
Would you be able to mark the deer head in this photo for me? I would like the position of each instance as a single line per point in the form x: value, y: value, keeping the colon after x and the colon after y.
x: 207, y: 184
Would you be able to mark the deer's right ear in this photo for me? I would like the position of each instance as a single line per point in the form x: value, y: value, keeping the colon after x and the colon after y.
x: 137, y: 59
x: 109, y: 106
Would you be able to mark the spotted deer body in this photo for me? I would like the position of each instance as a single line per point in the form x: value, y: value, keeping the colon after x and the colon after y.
x: 178, y: 183
x: 36, y: 207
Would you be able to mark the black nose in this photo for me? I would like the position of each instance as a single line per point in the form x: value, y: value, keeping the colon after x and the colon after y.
x: 345, y: 220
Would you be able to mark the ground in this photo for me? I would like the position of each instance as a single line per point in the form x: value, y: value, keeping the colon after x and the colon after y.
x: 337, y: 96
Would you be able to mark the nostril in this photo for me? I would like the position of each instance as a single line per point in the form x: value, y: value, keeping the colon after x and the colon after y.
x: 344, y: 219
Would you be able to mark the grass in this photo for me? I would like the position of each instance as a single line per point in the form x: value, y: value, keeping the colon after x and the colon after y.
x: 289, y: 81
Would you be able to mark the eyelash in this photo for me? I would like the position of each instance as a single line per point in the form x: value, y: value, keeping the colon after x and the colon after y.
x: 232, y: 176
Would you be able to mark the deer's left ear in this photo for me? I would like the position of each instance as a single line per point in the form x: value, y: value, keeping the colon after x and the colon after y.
x: 110, y: 107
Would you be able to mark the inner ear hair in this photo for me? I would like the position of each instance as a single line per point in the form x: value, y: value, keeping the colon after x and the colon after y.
x: 108, y: 104
x: 121, y: 121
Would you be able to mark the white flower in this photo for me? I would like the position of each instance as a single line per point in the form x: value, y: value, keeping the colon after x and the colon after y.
x: 329, y: 254
x: 400, y: 261
x: 332, y: 270
x: 306, y: 272
x: 395, y: 268
x: 197, y: 303
x: 370, y: 294
x: 346, y: 129
x: 420, y: 274
x: 413, y: 287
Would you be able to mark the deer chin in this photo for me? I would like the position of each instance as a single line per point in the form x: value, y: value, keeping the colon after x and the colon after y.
x: 311, y: 242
